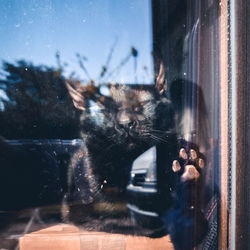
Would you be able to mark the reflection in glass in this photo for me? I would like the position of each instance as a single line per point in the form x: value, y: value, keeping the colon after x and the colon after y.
x: 110, y: 118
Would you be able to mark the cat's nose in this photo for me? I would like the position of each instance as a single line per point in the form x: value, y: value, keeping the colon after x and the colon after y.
x: 129, y: 126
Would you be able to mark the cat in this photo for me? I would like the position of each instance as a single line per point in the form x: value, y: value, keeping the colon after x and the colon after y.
x: 116, y: 128
x: 125, y: 123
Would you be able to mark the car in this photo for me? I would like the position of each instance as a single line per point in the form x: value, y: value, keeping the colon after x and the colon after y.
x: 142, y: 191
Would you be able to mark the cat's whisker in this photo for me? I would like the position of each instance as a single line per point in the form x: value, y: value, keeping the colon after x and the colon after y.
x: 157, y: 138
x: 160, y: 131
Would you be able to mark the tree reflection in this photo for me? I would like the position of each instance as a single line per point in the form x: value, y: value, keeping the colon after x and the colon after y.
x: 37, y: 103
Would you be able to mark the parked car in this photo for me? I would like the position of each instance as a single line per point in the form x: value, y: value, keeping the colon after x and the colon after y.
x: 143, y: 197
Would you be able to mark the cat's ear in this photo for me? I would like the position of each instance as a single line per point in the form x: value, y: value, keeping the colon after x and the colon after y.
x: 161, y: 81
x: 76, y: 94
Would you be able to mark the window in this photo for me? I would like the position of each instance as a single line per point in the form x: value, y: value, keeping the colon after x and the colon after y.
x: 128, y: 117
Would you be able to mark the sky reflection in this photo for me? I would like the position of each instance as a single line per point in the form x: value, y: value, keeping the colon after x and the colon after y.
x: 35, y: 30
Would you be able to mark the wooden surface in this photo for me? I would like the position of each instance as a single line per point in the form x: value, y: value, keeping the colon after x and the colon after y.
x: 224, y: 125
x: 68, y: 237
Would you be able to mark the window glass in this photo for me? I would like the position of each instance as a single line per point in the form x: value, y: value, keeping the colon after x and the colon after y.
x: 111, y: 119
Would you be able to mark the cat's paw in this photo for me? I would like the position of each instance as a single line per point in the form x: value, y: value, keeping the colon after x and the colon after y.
x: 190, y: 163
x: 186, y: 222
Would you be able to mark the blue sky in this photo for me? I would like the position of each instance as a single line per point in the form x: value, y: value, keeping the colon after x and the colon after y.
x: 34, y: 30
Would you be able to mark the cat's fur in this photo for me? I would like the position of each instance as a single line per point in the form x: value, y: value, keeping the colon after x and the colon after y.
x: 126, y: 123
x: 116, y: 128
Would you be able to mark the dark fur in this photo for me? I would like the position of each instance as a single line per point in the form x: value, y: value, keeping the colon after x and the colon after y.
x: 127, y: 127
x: 133, y: 118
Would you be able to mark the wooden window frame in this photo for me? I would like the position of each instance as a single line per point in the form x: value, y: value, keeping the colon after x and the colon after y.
x: 235, y: 123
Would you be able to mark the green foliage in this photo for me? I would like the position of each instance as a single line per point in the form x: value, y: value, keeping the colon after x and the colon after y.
x: 38, y: 105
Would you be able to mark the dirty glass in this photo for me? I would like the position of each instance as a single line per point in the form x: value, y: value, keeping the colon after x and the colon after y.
x: 111, y: 121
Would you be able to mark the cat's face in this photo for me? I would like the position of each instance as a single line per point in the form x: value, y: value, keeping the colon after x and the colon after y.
x: 134, y: 114
x: 126, y: 116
